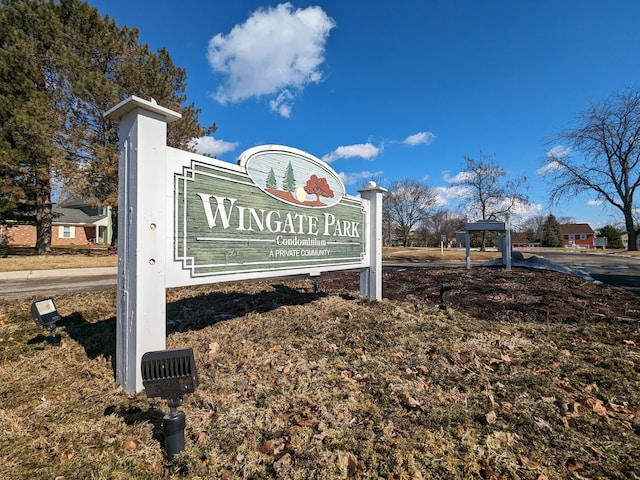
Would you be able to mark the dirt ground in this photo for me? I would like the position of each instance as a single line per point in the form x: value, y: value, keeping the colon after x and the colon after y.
x: 492, y: 293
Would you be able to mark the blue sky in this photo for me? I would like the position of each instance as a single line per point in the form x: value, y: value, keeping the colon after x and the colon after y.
x: 401, y: 88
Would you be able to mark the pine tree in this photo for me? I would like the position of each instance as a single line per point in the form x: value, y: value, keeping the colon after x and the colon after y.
x: 552, y: 234
x: 62, y: 66
x: 611, y: 233
x: 271, y: 180
x: 289, y: 182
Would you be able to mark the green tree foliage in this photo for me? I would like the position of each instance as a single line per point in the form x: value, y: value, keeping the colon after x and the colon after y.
x: 62, y: 66
x: 271, y: 180
x: 611, y: 233
x: 551, y: 233
x: 32, y: 108
x: 289, y: 181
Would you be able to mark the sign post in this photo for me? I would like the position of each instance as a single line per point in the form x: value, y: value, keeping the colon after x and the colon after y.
x: 141, y: 313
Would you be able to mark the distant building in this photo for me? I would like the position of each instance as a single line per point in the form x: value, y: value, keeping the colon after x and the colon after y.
x: 625, y: 240
x: 577, y: 235
x: 521, y: 240
x: 75, y: 223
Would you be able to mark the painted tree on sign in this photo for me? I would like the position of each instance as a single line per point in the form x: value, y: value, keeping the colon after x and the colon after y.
x: 271, y: 180
x: 289, y: 182
x: 318, y: 187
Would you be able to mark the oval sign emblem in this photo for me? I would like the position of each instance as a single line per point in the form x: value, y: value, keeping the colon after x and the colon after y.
x: 292, y: 176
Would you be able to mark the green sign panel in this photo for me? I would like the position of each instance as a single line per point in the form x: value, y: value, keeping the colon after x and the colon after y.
x: 281, y: 210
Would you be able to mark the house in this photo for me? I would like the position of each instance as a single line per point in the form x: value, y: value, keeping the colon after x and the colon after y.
x: 625, y: 241
x: 74, y: 223
x: 521, y: 240
x: 577, y: 235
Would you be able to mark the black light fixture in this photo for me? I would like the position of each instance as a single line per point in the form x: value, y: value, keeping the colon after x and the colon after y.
x: 445, y: 289
x: 45, y: 314
x: 170, y: 374
x: 315, y: 276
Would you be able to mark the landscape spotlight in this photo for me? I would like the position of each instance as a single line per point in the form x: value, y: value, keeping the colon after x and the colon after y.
x: 170, y: 374
x: 445, y: 288
x: 44, y: 313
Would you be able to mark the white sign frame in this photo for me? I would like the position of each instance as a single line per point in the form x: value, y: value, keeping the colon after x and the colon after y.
x: 146, y: 223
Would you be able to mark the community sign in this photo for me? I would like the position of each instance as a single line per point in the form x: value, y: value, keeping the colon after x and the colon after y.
x: 278, y: 209
x: 187, y: 219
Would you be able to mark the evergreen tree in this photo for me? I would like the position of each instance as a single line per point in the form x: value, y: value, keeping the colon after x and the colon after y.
x: 32, y: 109
x: 551, y: 233
x: 62, y: 66
x: 271, y: 180
x: 614, y: 239
x: 289, y: 182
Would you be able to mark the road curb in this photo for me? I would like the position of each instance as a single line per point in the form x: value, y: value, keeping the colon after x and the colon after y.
x: 58, y: 273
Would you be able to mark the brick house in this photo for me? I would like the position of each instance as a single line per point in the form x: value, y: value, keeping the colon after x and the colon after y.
x: 577, y: 235
x: 75, y: 223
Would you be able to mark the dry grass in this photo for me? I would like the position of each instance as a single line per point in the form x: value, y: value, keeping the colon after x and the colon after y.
x: 25, y: 259
x: 297, y: 385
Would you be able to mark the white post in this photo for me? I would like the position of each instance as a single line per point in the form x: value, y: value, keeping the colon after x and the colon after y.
x: 371, y: 276
x: 141, y: 314
x: 507, y: 240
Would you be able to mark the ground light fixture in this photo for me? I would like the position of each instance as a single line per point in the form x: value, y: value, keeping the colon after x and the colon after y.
x: 445, y: 289
x: 45, y: 314
x: 170, y: 374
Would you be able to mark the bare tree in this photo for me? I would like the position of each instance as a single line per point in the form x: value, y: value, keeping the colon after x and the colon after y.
x: 488, y: 193
x: 601, y: 154
x: 408, y: 203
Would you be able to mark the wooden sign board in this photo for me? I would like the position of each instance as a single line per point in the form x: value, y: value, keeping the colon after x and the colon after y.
x: 279, y: 211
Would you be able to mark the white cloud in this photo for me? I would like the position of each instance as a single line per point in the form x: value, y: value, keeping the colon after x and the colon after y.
x: 457, y: 178
x: 354, y: 178
x: 559, y: 151
x: 210, y: 146
x: 595, y: 203
x: 549, y: 167
x: 362, y: 150
x: 451, y: 194
x: 275, y: 52
x: 420, y: 138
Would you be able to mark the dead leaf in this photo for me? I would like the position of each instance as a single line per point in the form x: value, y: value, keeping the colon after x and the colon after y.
x: 542, y: 423
x: 276, y: 446
x: 416, y: 475
x: 488, y: 472
x: 66, y: 456
x: 287, y: 369
x: 201, y: 437
x: 491, y: 417
x: 422, y: 369
x: 526, y: 463
x: 350, y: 462
x: 596, y: 406
x: 130, y: 444
x: 574, y: 465
x: 307, y: 423
x: 275, y: 348
x: 214, y: 349
x: 398, y: 355
x: 412, y: 402
x: 507, y: 437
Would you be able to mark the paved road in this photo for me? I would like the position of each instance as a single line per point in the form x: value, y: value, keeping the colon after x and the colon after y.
x: 616, y: 270
x: 35, y: 283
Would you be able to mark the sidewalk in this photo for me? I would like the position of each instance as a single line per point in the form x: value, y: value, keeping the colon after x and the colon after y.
x: 59, y: 273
